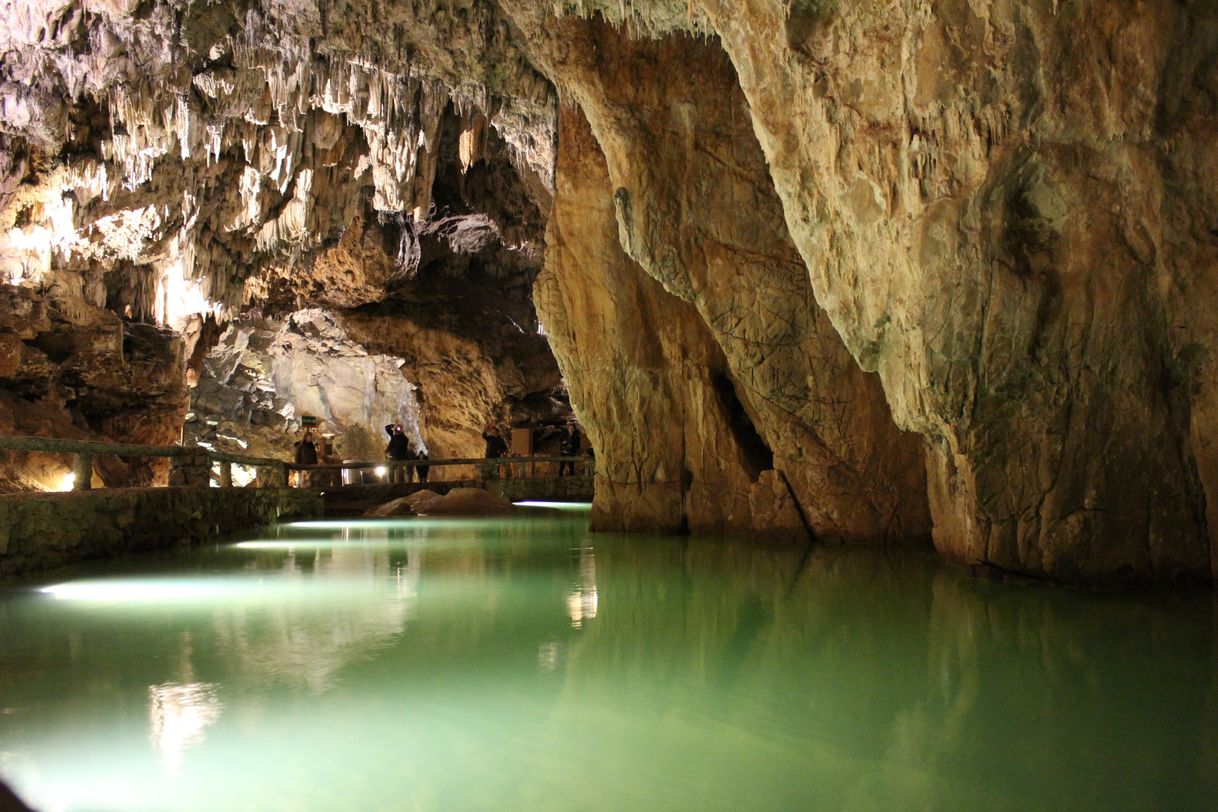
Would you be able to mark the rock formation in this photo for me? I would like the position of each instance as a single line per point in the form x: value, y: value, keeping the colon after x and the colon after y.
x: 80, y: 372
x: 787, y: 233
x: 273, y: 176
x: 695, y: 208
x: 991, y: 203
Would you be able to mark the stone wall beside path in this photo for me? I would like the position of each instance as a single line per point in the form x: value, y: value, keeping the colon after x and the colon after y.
x: 43, y: 531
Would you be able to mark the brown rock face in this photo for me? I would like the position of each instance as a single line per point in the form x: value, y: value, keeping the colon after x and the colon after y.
x: 639, y: 362
x: 992, y: 201
x: 69, y: 369
x: 695, y: 208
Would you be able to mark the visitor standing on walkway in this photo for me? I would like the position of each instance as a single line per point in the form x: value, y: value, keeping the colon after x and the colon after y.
x: 420, y: 453
x: 306, y: 454
x: 398, y: 450
x: 569, y: 447
x: 496, y: 448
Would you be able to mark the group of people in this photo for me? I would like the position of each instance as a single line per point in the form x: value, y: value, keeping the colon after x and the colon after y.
x: 400, y: 449
x: 568, y: 446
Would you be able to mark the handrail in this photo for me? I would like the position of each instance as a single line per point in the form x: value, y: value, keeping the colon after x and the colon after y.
x: 355, y: 466
x: 56, y: 445
x: 240, y: 459
x: 85, y: 450
x: 180, y: 456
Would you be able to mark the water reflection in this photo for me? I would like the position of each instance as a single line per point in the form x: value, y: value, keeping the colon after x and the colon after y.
x: 525, y: 664
x: 178, y: 715
x: 582, y: 599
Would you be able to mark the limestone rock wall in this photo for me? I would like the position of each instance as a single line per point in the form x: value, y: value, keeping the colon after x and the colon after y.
x: 181, y: 148
x: 1006, y: 212
x: 357, y: 371
x: 640, y: 365
x: 79, y: 372
x: 998, y: 204
x: 695, y: 208
x: 178, y: 163
x: 265, y: 373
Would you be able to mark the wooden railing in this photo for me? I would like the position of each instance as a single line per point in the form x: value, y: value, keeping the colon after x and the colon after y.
x: 501, y: 467
x: 189, y: 465
x: 192, y: 465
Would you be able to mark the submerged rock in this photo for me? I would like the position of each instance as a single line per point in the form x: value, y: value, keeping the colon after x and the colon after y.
x: 461, y: 502
x: 457, y: 502
x: 398, y: 507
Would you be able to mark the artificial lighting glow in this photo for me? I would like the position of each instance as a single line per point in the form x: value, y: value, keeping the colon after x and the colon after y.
x: 341, y: 524
x: 379, y: 470
x: 547, y: 657
x: 28, y: 251
x: 178, y: 715
x: 137, y: 591
x: 581, y: 605
x: 413, y: 522
x: 242, y: 475
x: 290, y: 545
x: 582, y: 600
x: 230, y: 438
x: 188, y: 592
x: 67, y: 482
x: 555, y: 505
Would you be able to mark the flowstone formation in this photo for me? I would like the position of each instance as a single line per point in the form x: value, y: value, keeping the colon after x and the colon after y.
x: 787, y: 236
x: 1001, y: 207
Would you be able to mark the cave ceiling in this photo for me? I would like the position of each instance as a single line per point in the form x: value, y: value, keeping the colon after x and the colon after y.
x: 192, y: 146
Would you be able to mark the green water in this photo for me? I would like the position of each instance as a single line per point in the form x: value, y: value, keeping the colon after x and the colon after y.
x: 525, y: 664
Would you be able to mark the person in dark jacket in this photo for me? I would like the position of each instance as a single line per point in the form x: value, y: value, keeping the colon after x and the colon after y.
x: 306, y: 449
x: 306, y: 454
x: 398, y: 450
x: 569, y: 447
x: 496, y: 448
x: 420, y: 454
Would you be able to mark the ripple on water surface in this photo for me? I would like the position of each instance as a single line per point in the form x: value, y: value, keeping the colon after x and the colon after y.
x: 524, y: 663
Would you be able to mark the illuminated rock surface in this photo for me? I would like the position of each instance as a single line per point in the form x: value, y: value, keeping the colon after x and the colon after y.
x: 835, y: 249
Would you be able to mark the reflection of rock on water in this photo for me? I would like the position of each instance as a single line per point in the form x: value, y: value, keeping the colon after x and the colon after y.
x: 178, y: 715
x: 301, y: 641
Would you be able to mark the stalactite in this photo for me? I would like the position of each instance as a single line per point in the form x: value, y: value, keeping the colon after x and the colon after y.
x: 243, y: 122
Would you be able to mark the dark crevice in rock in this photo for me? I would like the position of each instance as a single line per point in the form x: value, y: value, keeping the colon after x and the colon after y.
x: 757, y: 454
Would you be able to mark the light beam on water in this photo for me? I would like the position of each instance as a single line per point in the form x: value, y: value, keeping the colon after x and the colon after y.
x: 526, y: 664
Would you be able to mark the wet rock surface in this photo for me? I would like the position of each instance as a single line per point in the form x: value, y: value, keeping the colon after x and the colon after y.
x: 43, y: 531
x: 694, y: 208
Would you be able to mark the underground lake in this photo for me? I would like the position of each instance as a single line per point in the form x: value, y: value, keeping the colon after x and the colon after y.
x: 525, y: 663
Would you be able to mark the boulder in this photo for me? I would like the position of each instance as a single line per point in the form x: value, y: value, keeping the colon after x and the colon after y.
x: 463, y: 502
